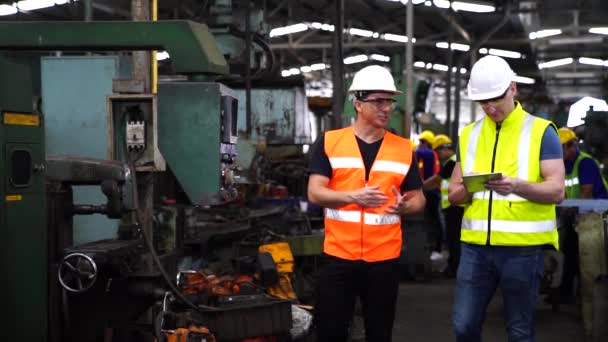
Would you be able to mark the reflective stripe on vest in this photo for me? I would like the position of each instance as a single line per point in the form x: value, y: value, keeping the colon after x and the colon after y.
x: 508, y: 226
x: 355, y: 216
x: 353, y: 232
x: 445, y: 183
x: 571, y: 180
x: 515, y: 221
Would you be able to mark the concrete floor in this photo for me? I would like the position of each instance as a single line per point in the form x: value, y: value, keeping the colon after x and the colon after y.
x: 424, y: 314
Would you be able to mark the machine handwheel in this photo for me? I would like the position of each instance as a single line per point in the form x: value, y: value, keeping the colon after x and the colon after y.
x: 77, y: 272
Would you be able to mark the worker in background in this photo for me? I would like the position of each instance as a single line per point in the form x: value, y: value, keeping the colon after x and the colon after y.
x: 583, y: 174
x: 442, y: 145
x: 366, y: 178
x: 506, y: 227
x: 428, y: 162
x: 583, y: 180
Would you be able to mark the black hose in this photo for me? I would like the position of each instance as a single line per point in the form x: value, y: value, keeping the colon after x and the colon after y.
x: 155, y: 257
x: 149, y: 243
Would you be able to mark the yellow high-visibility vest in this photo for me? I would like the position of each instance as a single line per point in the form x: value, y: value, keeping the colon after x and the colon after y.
x: 514, y: 150
x: 445, y: 183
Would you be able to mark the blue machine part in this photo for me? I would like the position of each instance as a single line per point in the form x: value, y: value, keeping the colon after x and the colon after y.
x: 74, y: 91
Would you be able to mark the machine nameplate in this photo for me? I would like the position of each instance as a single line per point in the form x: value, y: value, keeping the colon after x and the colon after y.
x: 13, y: 198
x: 21, y: 119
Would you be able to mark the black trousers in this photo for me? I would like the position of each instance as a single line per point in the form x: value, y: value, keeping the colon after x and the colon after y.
x: 340, y: 282
x: 432, y: 213
x: 453, y: 224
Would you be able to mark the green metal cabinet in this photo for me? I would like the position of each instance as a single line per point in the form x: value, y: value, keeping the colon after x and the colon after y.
x: 23, y: 256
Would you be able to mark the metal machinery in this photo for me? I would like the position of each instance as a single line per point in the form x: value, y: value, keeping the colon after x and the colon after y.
x: 589, y: 230
x: 61, y: 284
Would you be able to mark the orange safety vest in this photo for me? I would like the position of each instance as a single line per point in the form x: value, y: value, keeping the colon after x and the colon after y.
x: 353, y: 232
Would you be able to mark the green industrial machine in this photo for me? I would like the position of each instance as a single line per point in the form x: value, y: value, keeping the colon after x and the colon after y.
x: 171, y: 152
x: 23, y: 255
x: 198, y: 138
x: 38, y: 308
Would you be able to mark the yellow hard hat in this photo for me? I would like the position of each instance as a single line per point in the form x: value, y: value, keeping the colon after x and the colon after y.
x: 566, y: 135
x: 440, y: 140
x: 427, y: 135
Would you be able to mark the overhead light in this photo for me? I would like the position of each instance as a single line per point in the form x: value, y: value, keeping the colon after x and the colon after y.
x: 162, y: 55
x: 544, y: 33
x: 575, y: 74
x: 525, y: 80
x: 30, y: 5
x: 317, y: 66
x: 504, y: 53
x: 396, y: 38
x: 441, y: 3
x: 472, y: 7
x: 290, y: 72
x: 380, y: 58
x: 576, y: 40
x: 440, y: 67
x: 555, y: 63
x: 461, y: 47
x: 7, y: 9
x: 328, y: 27
x: 591, y: 61
x: 305, y: 68
x: 360, y: 32
x: 316, y: 25
x: 415, y: 2
x: 462, y: 70
x: 599, y: 30
x: 280, y: 31
x: 454, y: 46
x: 355, y: 59
x: 419, y: 64
x: 428, y: 3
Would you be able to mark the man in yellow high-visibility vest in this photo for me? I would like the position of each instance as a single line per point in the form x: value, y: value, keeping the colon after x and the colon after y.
x: 507, y: 225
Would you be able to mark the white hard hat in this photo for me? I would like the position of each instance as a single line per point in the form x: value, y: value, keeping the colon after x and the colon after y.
x: 373, y: 78
x: 491, y: 76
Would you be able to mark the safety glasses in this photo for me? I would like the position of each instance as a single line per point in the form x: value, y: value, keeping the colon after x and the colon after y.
x: 496, y: 101
x: 380, y: 103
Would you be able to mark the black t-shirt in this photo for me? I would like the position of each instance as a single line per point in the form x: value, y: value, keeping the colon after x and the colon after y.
x: 446, y: 169
x: 319, y: 162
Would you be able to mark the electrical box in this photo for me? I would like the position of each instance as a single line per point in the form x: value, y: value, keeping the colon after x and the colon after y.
x: 133, y: 131
x: 197, y: 136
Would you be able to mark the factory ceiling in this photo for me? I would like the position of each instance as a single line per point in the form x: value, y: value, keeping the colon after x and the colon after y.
x: 510, y: 26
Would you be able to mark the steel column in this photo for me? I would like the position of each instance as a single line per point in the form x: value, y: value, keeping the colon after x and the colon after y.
x: 337, y: 68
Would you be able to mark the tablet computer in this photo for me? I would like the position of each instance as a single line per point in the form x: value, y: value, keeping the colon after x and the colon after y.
x: 475, y: 183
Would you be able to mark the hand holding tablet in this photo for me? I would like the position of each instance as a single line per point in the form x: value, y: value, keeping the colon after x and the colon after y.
x: 476, y: 182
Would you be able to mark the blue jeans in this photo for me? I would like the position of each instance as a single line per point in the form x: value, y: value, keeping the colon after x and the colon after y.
x: 518, y: 272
